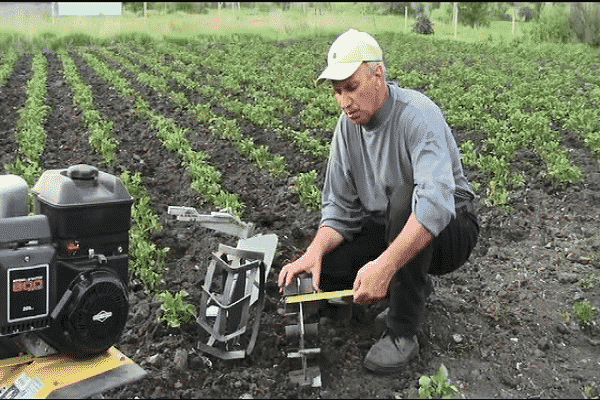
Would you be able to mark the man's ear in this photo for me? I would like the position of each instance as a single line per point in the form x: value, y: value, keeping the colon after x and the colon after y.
x: 379, y: 72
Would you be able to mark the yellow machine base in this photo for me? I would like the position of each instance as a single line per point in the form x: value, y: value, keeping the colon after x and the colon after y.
x: 64, y: 377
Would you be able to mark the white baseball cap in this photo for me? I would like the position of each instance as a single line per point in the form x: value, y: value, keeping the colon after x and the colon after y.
x: 346, y: 54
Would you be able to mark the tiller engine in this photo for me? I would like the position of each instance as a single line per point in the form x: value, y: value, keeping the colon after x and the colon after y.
x: 63, y: 278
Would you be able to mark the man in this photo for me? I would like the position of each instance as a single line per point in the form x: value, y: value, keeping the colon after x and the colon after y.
x: 396, y: 203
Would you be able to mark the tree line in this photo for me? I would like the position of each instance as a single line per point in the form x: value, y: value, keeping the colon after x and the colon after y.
x: 544, y: 21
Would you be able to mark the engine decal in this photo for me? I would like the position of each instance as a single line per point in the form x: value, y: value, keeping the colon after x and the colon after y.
x: 28, y: 292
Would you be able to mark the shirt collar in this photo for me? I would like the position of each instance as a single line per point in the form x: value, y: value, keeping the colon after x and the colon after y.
x: 379, y: 117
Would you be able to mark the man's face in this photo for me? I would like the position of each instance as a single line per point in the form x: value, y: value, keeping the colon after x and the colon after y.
x: 358, y: 94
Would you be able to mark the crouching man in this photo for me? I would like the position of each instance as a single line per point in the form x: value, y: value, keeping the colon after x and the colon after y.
x: 396, y: 203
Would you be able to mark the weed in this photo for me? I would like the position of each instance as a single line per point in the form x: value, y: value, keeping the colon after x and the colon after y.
x: 437, y: 386
x: 565, y: 317
x: 591, y: 282
x: 176, y: 311
x: 462, y: 348
x: 584, y: 311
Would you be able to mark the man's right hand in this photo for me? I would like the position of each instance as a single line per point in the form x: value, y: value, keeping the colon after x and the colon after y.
x: 308, y: 262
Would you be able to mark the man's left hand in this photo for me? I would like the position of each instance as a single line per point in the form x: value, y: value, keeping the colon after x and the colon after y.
x: 372, y: 282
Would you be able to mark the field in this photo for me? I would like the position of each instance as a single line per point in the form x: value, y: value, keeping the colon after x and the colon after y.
x: 234, y: 121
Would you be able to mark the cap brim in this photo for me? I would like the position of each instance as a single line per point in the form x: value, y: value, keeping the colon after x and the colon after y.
x: 338, y: 72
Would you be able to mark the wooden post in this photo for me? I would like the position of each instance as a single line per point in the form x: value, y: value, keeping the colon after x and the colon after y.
x: 513, y: 22
x: 455, y: 18
x: 145, y: 9
x: 52, y: 5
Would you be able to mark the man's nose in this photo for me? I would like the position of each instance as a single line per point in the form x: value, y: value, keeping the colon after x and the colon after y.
x: 345, y: 100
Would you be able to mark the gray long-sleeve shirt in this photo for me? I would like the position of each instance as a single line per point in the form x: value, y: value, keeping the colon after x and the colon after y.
x: 407, y: 144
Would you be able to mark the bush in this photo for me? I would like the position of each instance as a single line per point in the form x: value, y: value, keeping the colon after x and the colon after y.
x: 443, y: 14
x: 500, y: 11
x: 553, y: 25
x: 585, y: 22
x: 78, y: 39
x: 423, y: 25
x: 141, y: 38
x: 527, y: 13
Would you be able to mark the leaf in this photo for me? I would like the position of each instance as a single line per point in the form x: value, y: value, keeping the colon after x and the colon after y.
x: 442, y: 373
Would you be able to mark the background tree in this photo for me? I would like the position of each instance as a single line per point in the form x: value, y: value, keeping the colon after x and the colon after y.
x: 552, y: 25
x: 396, y: 8
x: 443, y: 13
x: 499, y: 11
x: 585, y: 22
x: 527, y: 13
x: 474, y: 14
x: 133, y: 7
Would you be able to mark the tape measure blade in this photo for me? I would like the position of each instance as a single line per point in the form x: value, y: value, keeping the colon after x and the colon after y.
x: 318, y: 296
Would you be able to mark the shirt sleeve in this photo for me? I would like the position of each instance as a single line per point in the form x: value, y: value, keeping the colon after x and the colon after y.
x: 342, y: 209
x: 433, y: 194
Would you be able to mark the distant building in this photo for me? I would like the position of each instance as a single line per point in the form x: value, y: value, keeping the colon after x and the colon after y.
x: 114, y: 8
x: 26, y: 10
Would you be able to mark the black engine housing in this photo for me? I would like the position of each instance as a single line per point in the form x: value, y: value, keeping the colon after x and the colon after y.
x: 65, y: 266
x: 91, y: 314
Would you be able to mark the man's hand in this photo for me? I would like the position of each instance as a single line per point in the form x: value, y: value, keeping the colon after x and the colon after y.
x: 306, y: 263
x: 373, y: 279
x: 324, y: 241
x: 372, y: 282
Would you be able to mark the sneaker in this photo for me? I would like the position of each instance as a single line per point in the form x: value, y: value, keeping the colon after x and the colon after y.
x: 391, y: 355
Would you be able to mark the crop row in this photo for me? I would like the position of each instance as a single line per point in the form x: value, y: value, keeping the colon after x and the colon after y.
x: 146, y: 259
x: 304, y: 184
x: 30, y: 134
x: 100, y: 130
x: 224, y: 128
x: 519, y: 97
x: 205, y: 177
x: 266, y: 72
x: 6, y: 66
x: 501, y: 92
x: 261, y: 108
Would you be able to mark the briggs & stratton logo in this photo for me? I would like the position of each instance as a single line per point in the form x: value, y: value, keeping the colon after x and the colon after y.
x: 102, y: 316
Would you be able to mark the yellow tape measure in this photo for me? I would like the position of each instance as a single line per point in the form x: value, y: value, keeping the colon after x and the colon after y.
x: 318, y: 296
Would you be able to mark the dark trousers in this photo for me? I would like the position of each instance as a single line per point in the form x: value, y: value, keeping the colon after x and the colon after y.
x: 408, y: 288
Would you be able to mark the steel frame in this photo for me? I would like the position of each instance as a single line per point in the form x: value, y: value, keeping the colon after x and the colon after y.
x: 239, y: 299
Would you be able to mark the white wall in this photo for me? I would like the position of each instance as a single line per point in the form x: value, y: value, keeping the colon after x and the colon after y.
x: 89, y: 8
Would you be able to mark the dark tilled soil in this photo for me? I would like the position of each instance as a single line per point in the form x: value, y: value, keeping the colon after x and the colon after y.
x: 503, y: 324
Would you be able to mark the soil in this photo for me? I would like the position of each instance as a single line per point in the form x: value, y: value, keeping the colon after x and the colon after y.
x: 503, y: 324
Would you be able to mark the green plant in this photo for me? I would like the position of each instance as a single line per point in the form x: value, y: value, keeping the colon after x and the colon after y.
x: 565, y: 317
x: 7, y: 66
x: 304, y: 184
x: 437, y: 386
x: 585, y: 22
x: 553, y: 25
x: 591, y: 282
x: 584, y: 311
x: 423, y: 25
x: 590, y: 392
x: 176, y: 311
